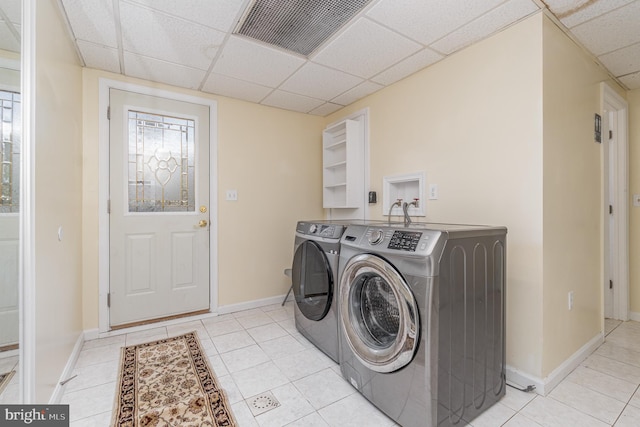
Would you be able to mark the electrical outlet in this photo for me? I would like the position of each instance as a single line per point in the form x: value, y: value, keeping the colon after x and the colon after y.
x: 570, y: 300
x: 232, y: 195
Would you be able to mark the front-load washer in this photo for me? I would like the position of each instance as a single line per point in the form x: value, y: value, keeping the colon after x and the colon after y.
x: 422, y: 327
x: 314, y: 277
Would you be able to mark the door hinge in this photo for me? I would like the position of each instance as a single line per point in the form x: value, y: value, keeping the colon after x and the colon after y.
x: 610, y: 284
x: 610, y: 134
x: 109, y: 206
x: 109, y: 113
x: 109, y: 299
x: 610, y: 209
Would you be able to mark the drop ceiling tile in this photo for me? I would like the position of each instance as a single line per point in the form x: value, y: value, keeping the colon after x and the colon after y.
x: 156, y: 35
x: 612, y: 31
x: 486, y: 25
x: 99, y: 57
x: 92, y: 20
x: 257, y: 63
x: 572, y: 13
x: 402, y: 69
x: 13, y: 10
x: 325, y: 109
x: 162, y: 72
x: 623, y: 61
x: 365, y: 49
x: 428, y: 21
x: 219, y: 14
x: 632, y: 81
x: 234, y: 88
x: 327, y: 83
x: 291, y: 101
x: 7, y: 39
x: 360, y: 91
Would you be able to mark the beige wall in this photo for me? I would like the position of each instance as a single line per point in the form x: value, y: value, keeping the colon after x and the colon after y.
x: 573, y: 197
x: 272, y: 157
x: 58, y: 197
x: 505, y: 130
x: 473, y: 124
x: 633, y: 97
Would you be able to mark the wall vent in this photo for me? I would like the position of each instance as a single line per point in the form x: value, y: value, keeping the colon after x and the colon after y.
x: 297, y: 25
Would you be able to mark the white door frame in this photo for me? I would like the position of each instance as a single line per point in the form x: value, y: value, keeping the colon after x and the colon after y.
x: 27, y: 290
x: 618, y: 246
x: 103, y: 189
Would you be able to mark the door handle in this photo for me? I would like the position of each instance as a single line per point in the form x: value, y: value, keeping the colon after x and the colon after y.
x: 202, y: 223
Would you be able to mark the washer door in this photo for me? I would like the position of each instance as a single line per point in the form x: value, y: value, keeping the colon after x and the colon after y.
x: 379, y: 313
x: 312, y: 280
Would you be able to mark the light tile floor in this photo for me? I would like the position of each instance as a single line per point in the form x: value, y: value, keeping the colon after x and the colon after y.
x: 259, y: 350
x: 11, y: 392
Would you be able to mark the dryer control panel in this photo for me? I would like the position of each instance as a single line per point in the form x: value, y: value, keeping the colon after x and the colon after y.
x: 326, y: 230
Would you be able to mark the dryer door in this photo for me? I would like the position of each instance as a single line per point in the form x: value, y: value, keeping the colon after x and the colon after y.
x: 379, y: 313
x: 312, y: 280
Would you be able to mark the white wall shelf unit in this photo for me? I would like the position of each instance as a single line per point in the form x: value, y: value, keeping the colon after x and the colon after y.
x: 342, y: 165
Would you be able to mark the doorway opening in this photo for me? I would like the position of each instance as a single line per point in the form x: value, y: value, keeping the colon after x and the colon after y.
x: 616, y: 221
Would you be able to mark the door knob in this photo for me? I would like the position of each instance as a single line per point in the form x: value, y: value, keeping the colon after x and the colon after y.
x: 202, y: 223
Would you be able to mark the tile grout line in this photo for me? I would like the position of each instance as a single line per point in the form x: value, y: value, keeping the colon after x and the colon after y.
x: 626, y: 405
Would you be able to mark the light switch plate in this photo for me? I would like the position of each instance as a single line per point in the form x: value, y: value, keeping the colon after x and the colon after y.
x: 232, y: 195
x: 636, y: 200
x: 433, y: 191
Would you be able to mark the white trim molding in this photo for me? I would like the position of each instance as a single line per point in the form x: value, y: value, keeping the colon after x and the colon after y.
x: 543, y: 386
x: 58, y: 391
x: 618, y: 245
x: 27, y: 288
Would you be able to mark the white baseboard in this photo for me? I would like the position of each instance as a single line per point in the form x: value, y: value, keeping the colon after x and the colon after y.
x: 232, y: 308
x: 92, y: 334
x: 634, y: 315
x: 58, y: 391
x: 544, y: 386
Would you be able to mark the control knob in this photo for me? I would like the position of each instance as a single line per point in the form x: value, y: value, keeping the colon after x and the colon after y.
x: 313, y: 228
x: 376, y: 237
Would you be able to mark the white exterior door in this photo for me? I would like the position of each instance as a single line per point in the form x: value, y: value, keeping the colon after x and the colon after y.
x: 159, y: 208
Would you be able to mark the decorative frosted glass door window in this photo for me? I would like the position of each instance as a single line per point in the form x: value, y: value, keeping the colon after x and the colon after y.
x: 161, y: 163
x: 10, y: 138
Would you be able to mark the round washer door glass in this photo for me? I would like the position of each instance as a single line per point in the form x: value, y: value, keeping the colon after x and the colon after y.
x: 379, y: 313
x: 312, y: 280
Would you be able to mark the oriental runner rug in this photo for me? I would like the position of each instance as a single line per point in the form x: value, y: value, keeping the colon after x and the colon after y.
x: 169, y: 383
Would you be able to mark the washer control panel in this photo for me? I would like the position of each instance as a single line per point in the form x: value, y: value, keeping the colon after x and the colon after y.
x: 391, y: 240
x: 405, y: 240
x: 376, y: 237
